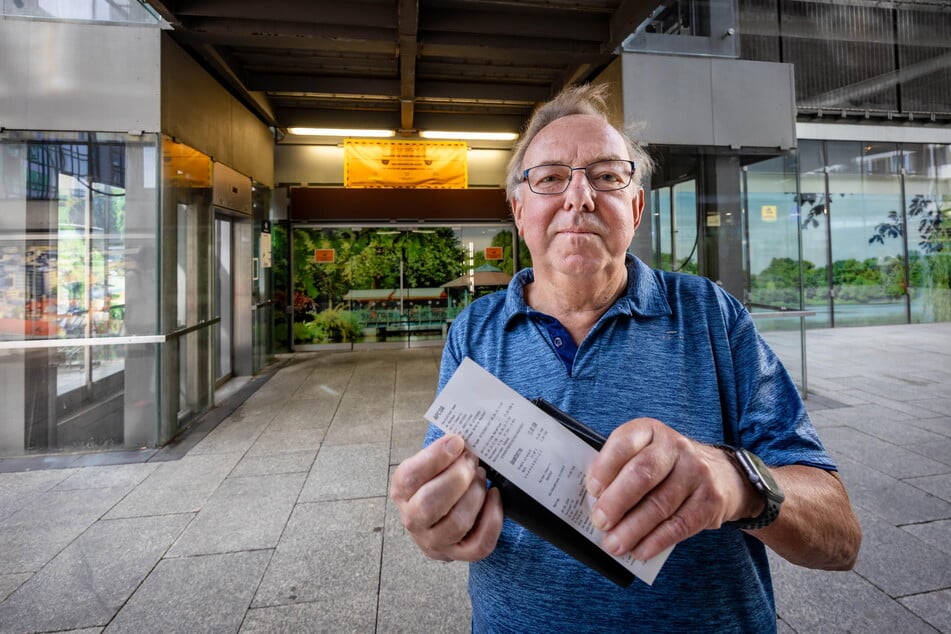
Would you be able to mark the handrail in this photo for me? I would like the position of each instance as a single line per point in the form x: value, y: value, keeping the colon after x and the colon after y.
x: 24, y: 344
x: 784, y: 313
x: 123, y: 340
x: 181, y: 332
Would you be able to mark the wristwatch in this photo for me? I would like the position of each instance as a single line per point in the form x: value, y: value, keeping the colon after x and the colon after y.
x: 758, y: 473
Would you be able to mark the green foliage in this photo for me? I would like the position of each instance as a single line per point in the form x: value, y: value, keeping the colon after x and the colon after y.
x: 932, y: 271
x: 333, y: 325
x: 937, y: 286
x: 282, y: 284
x: 777, y: 284
x: 303, y: 333
x: 855, y: 282
x: 370, y: 258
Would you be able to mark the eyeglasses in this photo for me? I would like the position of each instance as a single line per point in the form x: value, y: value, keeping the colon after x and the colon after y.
x: 604, y: 176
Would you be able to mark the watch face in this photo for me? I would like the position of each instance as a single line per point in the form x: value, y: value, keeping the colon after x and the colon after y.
x: 757, y: 467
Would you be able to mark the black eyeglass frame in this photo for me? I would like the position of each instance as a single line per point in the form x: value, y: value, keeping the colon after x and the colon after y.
x: 572, y: 170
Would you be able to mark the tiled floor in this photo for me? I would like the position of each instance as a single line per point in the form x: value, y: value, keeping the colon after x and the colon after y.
x: 275, y: 519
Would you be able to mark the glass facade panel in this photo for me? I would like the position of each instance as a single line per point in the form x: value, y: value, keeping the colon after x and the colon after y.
x: 684, y: 227
x: 392, y: 283
x: 889, y: 242
x: 688, y: 27
x: 77, y: 243
x: 772, y: 240
x: 928, y: 236
x: 662, y: 228
x: 816, y: 245
x: 868, y: 281
x: 115, y: 11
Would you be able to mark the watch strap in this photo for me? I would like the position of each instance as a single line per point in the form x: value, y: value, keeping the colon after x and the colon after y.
x: 771, y: 506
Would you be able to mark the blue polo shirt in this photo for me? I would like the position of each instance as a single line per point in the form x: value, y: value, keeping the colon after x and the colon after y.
x: 673, y: 347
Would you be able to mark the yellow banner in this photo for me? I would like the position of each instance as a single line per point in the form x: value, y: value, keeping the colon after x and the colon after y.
x: 405, y: 164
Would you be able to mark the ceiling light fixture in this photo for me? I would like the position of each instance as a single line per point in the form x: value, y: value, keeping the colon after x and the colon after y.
x: 468, y: 136
x: 341, y: 132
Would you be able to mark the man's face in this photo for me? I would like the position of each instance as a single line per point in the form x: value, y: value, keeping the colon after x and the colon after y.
x: 582, y: 231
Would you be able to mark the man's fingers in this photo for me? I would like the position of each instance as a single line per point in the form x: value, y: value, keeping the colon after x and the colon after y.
x: 660, y: 506
x: 481, y: 540
x: 435, y: 499
x: 459, y: 520
x: 666, y: 493
x: 425, y: 465
x: 624, y: 442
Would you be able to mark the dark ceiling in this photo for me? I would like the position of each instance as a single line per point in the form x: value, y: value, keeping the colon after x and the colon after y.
x: 401, y: 64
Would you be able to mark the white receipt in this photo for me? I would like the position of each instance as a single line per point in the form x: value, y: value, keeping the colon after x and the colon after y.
x: 528, y: 447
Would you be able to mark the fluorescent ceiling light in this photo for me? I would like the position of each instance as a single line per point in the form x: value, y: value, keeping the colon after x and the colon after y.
x: 470, y: 136
x: 340, y: 132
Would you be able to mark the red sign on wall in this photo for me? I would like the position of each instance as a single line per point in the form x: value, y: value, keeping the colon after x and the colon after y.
x: 493, y: 253
x: 325, y: 256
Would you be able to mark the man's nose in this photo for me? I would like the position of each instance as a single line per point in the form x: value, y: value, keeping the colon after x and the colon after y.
x: 580, y: 193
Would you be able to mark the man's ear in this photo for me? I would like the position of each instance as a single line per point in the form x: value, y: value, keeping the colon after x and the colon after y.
x: 517, y: 213
x: 638, y: 206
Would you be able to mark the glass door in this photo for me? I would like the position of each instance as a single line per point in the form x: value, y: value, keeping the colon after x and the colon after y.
x: 224, y: 302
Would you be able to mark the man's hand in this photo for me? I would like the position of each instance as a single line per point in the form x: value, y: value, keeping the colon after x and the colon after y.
x: 443, y: 502
x: 656, y: 487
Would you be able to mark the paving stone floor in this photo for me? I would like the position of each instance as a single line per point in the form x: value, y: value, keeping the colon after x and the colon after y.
x: 272, y: 516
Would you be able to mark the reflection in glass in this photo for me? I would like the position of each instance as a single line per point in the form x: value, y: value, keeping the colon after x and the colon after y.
x: 814, y: 217
x: 675, y: 227
x: 77, y: 214
x: 663, y: 234
x: 773, y: 236
x: 867, y: 276
x: 684, y: 227
x: 928, y: 236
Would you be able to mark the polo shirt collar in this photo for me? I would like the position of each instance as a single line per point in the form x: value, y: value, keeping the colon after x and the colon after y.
x: 644, y: 296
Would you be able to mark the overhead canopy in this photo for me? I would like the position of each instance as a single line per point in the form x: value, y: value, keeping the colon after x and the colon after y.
x: 407, y: 65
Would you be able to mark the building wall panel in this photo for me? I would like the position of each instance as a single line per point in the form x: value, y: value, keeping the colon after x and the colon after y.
x: 79, y: 76
x: 199, y: 112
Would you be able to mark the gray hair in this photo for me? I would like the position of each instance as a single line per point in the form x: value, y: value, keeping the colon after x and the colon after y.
x: 586, y: 99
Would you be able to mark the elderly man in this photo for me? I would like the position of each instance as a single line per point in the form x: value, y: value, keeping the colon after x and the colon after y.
x: 672, y: 370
